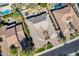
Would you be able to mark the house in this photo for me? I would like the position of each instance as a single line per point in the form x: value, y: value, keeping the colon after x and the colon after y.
x: 41, y: 29
x: 67, y: 20
x: 76, y: 7
x: 12, y: 35
x: 5, y: 9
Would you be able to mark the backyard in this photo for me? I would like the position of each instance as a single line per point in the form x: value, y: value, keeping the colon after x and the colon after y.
x: 16, y: 16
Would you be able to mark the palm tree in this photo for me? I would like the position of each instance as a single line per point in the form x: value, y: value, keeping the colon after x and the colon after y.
x: 26, y: 30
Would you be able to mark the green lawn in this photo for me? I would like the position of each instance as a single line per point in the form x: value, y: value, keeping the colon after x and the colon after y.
x: 40, y: 50
x: 77, y: 33
x: 14, y: 15
x: 43, y: 4
x: 49, y: 46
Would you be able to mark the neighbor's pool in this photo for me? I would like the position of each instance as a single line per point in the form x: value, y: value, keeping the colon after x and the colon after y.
x: 5, y: 12
x: 58, y: 6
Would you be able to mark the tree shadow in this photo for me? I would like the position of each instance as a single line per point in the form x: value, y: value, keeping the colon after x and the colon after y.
x: 26, y: 43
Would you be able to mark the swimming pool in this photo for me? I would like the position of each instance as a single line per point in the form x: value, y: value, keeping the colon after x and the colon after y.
x: 5, y: 12
x: 58, y: 6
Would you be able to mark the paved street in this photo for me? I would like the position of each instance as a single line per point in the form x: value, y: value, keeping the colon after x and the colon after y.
x: 63, y: 50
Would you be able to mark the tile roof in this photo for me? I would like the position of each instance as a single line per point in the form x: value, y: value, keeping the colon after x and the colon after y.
x: 61, y: 16
x: 10, y: 31
x: 38, y: 18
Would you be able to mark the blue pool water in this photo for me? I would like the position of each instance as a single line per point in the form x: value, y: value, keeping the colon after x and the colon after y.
x: 5, y: 12
x: 58, y: 6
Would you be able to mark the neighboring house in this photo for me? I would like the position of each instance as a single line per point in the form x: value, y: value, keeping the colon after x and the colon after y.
x: 76, y: 7
x: 12, y: 35
x: 5, y: 9
x: 67, y: 20
x: 41, y: 29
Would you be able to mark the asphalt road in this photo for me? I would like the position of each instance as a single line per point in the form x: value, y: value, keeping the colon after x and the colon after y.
x: 63, y: 50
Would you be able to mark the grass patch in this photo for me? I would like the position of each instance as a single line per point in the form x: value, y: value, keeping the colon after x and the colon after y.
x: 49, y: 45
x: 77, y: 33
x: 39, y: 50
x: 43, y: 4
x: 16, y: 16
x: 13, y: 50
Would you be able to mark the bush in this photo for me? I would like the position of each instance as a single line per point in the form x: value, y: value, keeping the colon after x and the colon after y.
x: 49, y: 45
x: 43, y: 4
x: 40, y: 50
x: 77, y: 33
x: 72, y: 36
x: 13, y: 50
